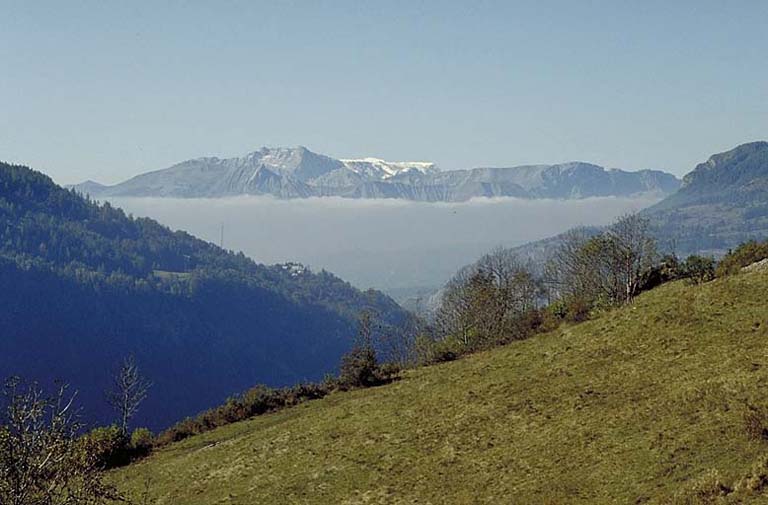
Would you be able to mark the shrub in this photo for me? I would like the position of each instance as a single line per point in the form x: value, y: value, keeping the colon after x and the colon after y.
x: 707, y: 489
x: 108, y: 446
x: 297, y: 394
x: 330, y: 382
x: 757, y: 478
x: 389, y: 371
x: 256, y: 401
x: 432, y: 351
x: 698, y: 269
x: 744, y: 255
x: 142, y: 440
x: 666, y: 270
x: 550, y: 319
x: 577, y: 309
x: 179, y: 431
x: 557, y: 309
x: 528, y: 323
x: 359, y: 368
x: 449, y: 349
x: 423, y: 348
x: 756, y: 423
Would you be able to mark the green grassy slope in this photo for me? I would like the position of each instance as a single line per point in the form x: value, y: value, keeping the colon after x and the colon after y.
x: 626, y: 408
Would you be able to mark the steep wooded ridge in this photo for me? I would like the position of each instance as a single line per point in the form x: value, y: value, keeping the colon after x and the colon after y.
x: 300, y: 173
x: 642, y: 404
x: 83, y: 285
x: 722, y: 202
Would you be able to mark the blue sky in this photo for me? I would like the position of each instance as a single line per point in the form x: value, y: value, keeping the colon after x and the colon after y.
x: 106, y: 90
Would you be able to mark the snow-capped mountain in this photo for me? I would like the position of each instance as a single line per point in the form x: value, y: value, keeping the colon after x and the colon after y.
x: 300, y: 173
x: 382, y: 170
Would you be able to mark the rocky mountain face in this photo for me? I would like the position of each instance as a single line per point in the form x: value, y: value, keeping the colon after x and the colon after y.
x: 722, y: 202
x: 300, y: 173
x: 738, y: 176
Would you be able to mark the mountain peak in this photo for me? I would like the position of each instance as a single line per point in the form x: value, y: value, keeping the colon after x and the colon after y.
x: 267, y: 150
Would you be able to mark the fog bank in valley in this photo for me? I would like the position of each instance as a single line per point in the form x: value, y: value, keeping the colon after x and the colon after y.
x: 393, y: 245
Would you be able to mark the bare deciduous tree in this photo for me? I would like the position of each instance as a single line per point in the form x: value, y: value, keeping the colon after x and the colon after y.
x: 398, y: 343
x: 360, y: 367
x: 454, y: 316
x: 42, y: 461
x: 607, y: 267
x: 486, y: 301
x: 516, y: 290
x: 128, y: 391
x: 366, y: 327
x: 634, y: 252
x: 569, y: 272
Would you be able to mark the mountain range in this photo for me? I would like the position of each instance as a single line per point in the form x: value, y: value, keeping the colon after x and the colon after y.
x: 84, y: 286
x: 300, y: 173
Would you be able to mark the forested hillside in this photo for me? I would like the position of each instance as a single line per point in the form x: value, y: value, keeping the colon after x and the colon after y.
x: 84, y: 285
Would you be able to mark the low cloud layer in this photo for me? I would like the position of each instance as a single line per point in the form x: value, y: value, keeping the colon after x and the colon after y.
x: 387, y: 244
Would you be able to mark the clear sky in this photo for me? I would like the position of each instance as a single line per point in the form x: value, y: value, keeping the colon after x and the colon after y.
x: 105, y: 90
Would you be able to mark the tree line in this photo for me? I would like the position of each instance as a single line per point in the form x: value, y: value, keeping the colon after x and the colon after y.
x: 502, y: 298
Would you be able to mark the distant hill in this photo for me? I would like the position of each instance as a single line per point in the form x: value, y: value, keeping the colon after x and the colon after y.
x: 644, y: 404
x: 84, y: 285
x: 722, y: 202
x: 300, y: 173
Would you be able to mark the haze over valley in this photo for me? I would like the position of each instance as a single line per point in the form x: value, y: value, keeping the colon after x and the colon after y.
x: 398, y: 246
x: 403, y: 226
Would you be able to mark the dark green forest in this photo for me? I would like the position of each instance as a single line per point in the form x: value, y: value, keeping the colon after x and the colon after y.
x: 82, y: 285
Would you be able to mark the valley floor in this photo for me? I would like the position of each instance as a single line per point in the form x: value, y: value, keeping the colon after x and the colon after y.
x: 632, y: 407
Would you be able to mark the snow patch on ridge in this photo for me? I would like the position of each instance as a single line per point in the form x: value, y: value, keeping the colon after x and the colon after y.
x: 376, y: 167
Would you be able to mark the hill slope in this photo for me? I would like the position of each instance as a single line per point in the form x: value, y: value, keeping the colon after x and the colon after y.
x: 626, y: 408
x: 84, y: 285
x: 300, y: 173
